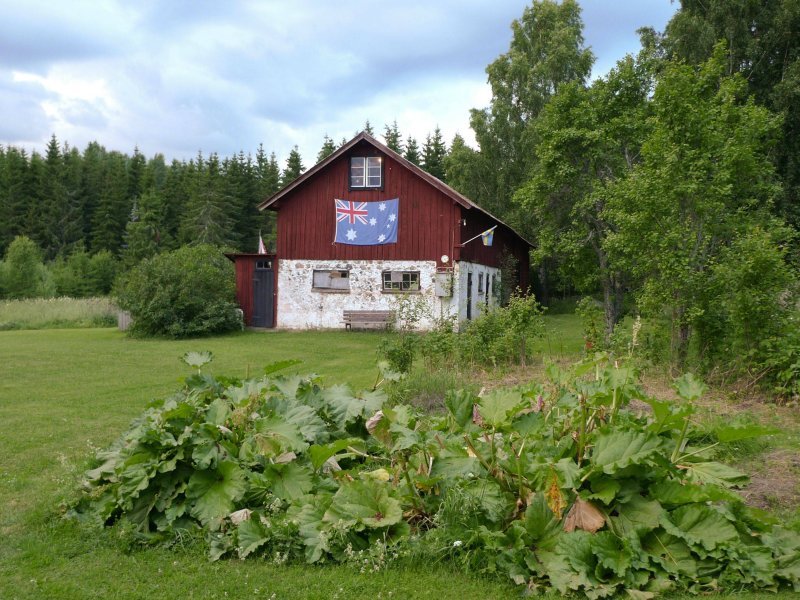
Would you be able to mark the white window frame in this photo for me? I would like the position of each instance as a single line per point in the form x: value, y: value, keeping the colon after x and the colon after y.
x: 370, y: 169
x: 400, y: 282
x: 331, y: 280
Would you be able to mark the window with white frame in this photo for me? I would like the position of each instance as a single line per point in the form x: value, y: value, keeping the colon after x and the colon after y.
x: 337, y: 280
x: 366, y: 172
x: 401, y: 281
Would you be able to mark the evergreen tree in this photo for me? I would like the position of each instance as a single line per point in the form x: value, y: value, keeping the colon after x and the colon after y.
x: 412, y: 151
x: 391, y: 134
x: 434, y: 152
x: 328, y: 148
x: 15, y: 192
x: 368, y: 128
x: 113, y: 208
x: 294, y: 167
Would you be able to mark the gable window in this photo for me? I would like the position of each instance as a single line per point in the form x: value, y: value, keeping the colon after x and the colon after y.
x: 366, y: 172
x: 401, y: 281
x: 336, y: 280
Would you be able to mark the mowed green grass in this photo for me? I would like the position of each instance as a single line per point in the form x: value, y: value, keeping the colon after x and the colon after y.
x: 65, y: 392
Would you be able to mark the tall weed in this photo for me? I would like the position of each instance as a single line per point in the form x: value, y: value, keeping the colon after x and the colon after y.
x: 52, y: 313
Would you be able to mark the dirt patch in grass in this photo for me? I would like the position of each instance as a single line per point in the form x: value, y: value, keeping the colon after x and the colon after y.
x: 774, y: 480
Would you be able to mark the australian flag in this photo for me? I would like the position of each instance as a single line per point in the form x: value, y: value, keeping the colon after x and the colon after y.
x: 366, y: 223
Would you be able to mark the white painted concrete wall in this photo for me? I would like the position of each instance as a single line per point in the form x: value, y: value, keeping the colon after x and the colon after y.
x: 478, y: 300
x: 301, y: 307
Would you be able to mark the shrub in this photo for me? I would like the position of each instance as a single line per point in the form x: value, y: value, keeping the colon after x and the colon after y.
x: 501, y: 335
x: 187, y: 292
x: 24, y: 275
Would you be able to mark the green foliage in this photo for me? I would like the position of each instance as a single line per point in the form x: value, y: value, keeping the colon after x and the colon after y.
x: 502, y: 335
x: 187, y: 292
x: 591, y: 315
x: 553, y: 485
x: 23, y: 273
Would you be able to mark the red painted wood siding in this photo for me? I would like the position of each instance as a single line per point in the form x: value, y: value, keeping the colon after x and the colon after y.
x: 504, y: 241
x: 428, y: 226
x: 245, y: 265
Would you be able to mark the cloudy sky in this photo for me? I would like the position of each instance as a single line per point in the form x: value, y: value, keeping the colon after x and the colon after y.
x: 178, y: 76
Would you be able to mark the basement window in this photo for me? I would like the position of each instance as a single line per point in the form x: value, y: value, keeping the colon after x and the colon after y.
x: 401, y: 281
x: 336, y: 280
x: 366, y: 172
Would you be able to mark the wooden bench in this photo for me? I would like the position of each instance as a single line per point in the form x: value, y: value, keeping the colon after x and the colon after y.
x: 368, y: 318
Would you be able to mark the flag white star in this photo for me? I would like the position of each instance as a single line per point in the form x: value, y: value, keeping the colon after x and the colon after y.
x: 382, y: 206
x: 373, y: 221
x: 392, y: 217
x: 381, y: 237
x: 351, y: 234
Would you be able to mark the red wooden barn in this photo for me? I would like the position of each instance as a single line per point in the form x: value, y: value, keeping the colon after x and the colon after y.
x: 364, y: 230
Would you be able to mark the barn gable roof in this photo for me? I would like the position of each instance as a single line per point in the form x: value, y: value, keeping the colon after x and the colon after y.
x: 273, y: 201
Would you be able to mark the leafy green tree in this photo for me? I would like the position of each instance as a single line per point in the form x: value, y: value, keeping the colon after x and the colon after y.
x: 328, y: 148
x: 546, y: 52
x: 24, y: 274
x: 72, y: 275
x: 294, y: 167
x: 588, y: 138
x: 186, y: 292
x: 393, y: 137
x: 764, y: 46
x: 434, y: 152
x: 102, y: 272
x: 411, y: 153
x: 704, y: 180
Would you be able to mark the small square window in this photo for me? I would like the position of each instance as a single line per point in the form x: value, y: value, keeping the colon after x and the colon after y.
x: 401, y: 281
x: 366, y: 172
x: 331, y: 280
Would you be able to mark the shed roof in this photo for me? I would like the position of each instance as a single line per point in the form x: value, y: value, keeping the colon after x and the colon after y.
x: 273, y: 201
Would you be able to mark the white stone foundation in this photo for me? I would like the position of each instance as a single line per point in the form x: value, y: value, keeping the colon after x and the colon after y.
x: 302, y: 307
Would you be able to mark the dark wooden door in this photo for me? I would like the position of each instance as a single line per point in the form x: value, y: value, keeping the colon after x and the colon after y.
x: 263, y: 296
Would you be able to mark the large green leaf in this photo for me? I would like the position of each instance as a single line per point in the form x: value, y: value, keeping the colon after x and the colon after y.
x: 367, y: 501
x: 670, y: 552
x: 638, y: 515
x: 319, y: 454
x: 344, y: 407
x: 460, y: 405
x: 289, y: 481
x: 274, y: 436
x: 311, y: 426
x: 309, y: 520
x: 498, y: 407
x: 699, y: 525
x: 252, y: 535
x: 541, y: 524
x: 615, y: 450
x: 714, y: 473
x: 689, y: 387
x: 214, y: 492
x: 735, y: 433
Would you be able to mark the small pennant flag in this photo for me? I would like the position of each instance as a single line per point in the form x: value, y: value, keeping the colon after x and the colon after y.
x: 487, y: 236
x: 261, y: 248
x: 366, y: 223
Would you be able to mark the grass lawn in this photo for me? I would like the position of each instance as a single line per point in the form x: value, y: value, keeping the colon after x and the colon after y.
x: 64, y: 392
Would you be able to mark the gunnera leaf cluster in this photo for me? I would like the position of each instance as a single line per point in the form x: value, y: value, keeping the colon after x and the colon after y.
x: 555, y: 485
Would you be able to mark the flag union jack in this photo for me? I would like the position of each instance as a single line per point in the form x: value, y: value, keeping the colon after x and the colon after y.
x: 367, y: 223
x: 351, y: 211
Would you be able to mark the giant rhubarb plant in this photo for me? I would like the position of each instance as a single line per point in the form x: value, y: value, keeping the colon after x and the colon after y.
x: 557, y: 484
